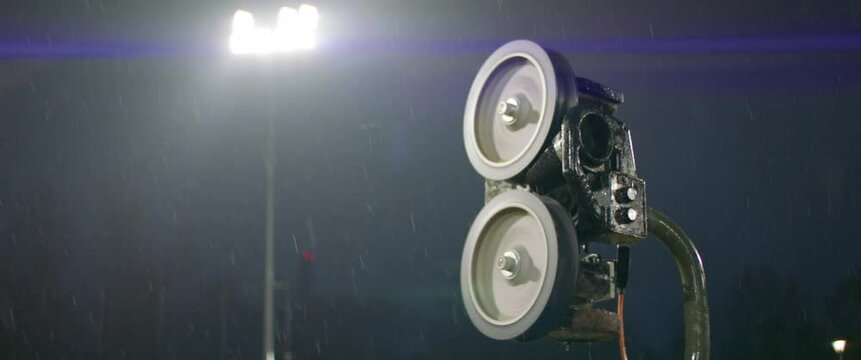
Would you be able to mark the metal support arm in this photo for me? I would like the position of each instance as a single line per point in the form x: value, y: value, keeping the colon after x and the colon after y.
x: 693, y: 283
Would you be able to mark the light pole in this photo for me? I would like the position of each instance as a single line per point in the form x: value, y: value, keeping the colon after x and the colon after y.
x: 294, y: 31
x: 839, y: 346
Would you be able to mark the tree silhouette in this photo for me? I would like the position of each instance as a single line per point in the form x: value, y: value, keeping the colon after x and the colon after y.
x: 768, y: 319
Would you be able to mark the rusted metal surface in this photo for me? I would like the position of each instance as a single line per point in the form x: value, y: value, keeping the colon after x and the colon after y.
x: 494, y: 187
x: 589, y: 324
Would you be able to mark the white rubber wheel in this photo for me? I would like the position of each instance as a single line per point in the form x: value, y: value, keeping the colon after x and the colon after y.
x: 519, y: 267
x: 510, y: 110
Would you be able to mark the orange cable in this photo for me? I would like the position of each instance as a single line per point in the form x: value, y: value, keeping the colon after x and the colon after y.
x: 620, y: 310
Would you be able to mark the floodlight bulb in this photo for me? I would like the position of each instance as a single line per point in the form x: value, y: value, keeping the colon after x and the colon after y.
x: 254, y: 41
x: 262, y: 41
x: 294, y: 29
x: 243, y: 21
x: 839, y: 346
x: 308, y: 16
x: 287, y: 18
x: 303, y: 40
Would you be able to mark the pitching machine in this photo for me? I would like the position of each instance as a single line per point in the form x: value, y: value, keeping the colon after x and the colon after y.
x: 560, y: 176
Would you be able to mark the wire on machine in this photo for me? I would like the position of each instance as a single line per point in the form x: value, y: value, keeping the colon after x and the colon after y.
x: 620, y: 310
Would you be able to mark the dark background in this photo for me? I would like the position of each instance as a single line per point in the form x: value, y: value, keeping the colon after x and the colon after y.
x: 132, y: 197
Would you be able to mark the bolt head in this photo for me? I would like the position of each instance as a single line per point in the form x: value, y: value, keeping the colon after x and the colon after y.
x: 626, y: 194
x: 507, y: 110
x: 508, y: 264
x: 630, y: 194
x: 627, y: 215
x: 502, y: 108
x: 631, y: 215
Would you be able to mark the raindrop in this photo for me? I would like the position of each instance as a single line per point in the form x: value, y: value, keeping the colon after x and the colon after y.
x: 12, y: 319
x: 750, y: 113
x: 309, y: 225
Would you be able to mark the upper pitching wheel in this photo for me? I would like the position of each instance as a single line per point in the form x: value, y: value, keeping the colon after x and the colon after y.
x: 519, y: 266
x: 511, y: 108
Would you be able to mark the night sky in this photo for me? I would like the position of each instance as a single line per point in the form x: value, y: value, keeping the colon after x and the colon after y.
x: 130, y: 120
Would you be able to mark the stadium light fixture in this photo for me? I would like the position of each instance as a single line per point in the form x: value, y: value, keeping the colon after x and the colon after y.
x: 294, y: 30
x: 839, y: 346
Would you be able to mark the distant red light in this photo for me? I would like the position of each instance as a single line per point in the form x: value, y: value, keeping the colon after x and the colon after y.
x: 309, y: 256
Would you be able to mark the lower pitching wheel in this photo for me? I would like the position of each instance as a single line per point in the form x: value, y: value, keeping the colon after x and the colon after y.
x: 519, y: 267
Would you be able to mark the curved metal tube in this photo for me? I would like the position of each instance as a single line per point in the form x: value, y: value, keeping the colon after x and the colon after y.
x: 693, y: 283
